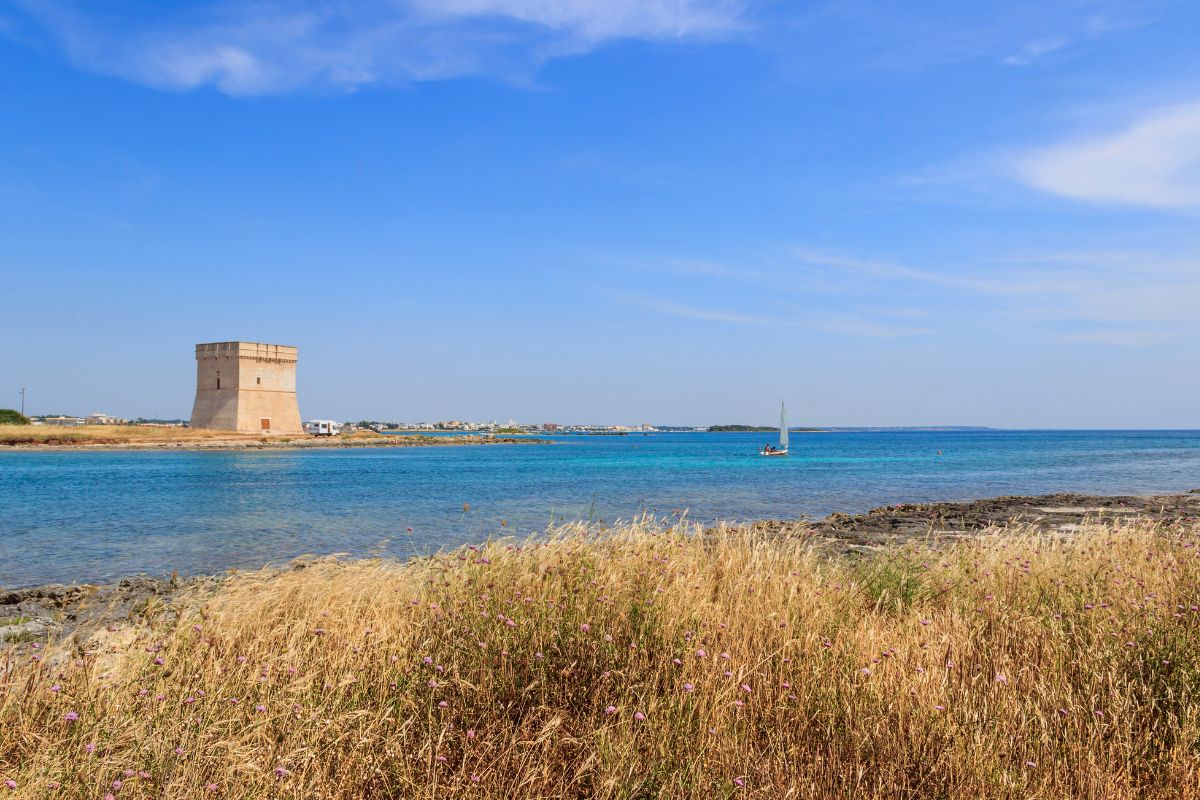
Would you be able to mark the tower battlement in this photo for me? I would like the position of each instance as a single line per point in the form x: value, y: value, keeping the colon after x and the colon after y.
x: 246, y: 386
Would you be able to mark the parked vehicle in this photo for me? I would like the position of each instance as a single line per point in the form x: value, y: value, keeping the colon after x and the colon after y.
x: 323, y: 427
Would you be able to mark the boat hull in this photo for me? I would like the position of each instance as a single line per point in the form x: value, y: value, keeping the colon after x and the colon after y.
x: 772, y: 452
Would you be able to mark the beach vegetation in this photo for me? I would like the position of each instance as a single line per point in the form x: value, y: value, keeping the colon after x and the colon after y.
x: 10, y: 416
x: 648, y: 660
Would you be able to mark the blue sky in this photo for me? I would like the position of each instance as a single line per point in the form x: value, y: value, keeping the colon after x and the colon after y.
x: 610, y: 210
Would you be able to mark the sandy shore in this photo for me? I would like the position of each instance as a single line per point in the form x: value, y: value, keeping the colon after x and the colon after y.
x: 85, y: 611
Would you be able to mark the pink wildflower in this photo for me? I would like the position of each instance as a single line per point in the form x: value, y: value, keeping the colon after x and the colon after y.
x: 610, y: 710
x: 639, y: 716
x: 71, y: 716
x: 687, y: 687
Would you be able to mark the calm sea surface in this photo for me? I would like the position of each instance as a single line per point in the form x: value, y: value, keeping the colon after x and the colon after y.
x: 91, y: 516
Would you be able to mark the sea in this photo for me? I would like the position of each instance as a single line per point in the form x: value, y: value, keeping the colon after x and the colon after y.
x: 92, y: 516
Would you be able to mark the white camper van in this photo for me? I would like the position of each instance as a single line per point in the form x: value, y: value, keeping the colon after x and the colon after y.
x: 323, y: 427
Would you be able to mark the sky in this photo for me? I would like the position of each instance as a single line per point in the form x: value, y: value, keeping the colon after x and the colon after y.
x: 609, y: 211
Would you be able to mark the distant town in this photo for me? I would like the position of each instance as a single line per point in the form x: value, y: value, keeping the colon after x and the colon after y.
x: 509, y: 427
x: 459, y: 426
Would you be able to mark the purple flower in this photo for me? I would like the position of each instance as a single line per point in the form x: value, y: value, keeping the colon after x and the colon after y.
x: 71, y: 716
x: 610, y: 710
x: 639, y: 716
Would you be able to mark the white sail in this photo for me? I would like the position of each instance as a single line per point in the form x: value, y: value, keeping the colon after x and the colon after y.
x: 783, y: 431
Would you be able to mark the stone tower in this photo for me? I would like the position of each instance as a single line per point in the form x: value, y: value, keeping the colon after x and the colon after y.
x: 247, y: 387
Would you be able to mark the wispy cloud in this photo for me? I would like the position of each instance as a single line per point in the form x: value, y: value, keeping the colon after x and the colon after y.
x: 866, y: 324
x: 1127, y: 299
x: 1081, y: 31
x: 1153, y: 162
x: 274, y: 46
x: 1035, y: 50
x: 711, y: 315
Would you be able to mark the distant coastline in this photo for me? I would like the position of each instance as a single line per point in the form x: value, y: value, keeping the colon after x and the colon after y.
x: 123, y: 437
x: 897, y: 429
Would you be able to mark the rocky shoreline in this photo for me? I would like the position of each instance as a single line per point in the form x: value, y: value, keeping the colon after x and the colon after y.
x: 93, y: 615
x: 1062, y: 512
x: 308, y: 443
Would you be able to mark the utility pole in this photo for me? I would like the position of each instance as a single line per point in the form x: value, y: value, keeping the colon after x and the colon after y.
x: 22, y: 401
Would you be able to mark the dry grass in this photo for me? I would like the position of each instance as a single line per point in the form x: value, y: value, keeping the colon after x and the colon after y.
x: 648, y: 662
x: 135, y: 435
x: 107, y: 434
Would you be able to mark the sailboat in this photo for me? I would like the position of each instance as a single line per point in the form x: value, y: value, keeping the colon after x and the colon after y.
x: 782, y: 450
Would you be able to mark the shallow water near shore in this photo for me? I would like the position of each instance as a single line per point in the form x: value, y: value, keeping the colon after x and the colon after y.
x: 70, y: 516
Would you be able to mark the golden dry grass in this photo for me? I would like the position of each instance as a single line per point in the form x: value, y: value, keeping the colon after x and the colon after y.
x: 648, y: 661
x: 106, y: 434
x: 134, y: 435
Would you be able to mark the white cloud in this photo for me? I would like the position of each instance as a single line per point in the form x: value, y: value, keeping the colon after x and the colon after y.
x: 1128, y: 299
x: 873, y: 325
x: 1155, y: 162
x: 1131, y: 299
x: 1032, y: 51
x: 271, y: 47
x: 711, y: 315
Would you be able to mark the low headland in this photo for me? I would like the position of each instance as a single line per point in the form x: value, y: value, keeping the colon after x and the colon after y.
x: 1015, y: 647
x: 151, y: 437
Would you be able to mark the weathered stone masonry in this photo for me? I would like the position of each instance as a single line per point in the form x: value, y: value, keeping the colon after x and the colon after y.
x: 246, y: 386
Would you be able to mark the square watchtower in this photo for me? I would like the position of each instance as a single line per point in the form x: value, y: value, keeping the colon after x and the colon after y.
x: 246, y: 386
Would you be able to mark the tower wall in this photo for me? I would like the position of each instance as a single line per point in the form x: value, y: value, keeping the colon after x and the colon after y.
x: 247, y: 387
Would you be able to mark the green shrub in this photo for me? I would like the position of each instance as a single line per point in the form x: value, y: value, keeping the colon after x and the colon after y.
x: 9, y: 416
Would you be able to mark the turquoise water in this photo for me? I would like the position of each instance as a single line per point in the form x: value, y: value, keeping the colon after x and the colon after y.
x: 91, y: 516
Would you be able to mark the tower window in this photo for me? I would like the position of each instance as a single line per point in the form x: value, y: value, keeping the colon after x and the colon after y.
x: 259, y: 381
x: 218, y: 381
